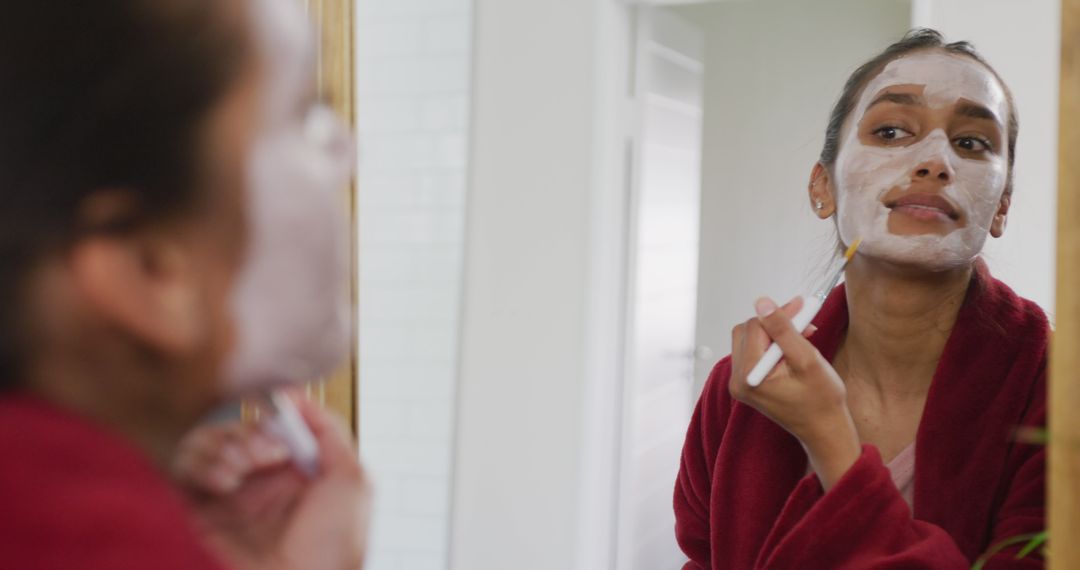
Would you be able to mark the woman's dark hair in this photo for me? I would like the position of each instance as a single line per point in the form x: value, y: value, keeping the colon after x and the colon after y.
x: 915, y: 40
x: 102, y: 94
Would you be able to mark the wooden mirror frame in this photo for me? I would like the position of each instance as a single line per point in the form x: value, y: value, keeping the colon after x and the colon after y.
x: 334, y: 19
x: 1063, y: 471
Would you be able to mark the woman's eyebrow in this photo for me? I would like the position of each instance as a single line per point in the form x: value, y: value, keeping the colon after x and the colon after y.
x: 976, y: 111
x: 898, y: 98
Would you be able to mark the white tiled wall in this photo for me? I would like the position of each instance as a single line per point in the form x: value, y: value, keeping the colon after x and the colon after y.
x: 412, y: 84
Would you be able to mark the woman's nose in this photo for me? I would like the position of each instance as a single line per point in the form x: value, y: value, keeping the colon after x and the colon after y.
x: 934, y: 170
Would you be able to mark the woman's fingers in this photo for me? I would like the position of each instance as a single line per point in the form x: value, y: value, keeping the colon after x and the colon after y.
x: 758, y: 337
x: 202, y: 461
x: 336, y: 452
x: 329, y: 527
x: 751, y: 339
x: 766, y: 306
x: 217, y: 458
x: 798, y: 352
x: 263, y: 450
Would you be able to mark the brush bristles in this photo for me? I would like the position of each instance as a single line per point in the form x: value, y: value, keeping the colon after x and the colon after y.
x: 851, y: 250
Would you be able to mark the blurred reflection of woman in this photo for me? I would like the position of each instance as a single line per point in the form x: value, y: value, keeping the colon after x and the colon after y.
x: 168, y: 201
x: 886, y: 437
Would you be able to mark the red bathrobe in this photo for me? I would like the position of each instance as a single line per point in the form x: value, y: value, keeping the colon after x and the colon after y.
x: 743, y: 499
x: 74, y: 495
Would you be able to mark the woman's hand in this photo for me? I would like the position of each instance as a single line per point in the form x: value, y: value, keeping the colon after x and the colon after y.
x: 258, y: 511
x: 803, y: 393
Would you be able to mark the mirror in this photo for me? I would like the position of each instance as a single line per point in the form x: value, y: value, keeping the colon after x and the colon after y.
x: 563, y: 210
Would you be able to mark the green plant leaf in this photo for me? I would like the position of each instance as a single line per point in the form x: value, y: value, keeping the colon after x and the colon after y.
x: 1033, y: 435
x: 1036, y: 541
x: 1005, y: 543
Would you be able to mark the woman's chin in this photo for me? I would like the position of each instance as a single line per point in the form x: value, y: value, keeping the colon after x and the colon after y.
x: 918, y: 253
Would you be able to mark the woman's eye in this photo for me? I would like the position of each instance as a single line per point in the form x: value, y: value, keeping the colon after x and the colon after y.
x: 973, y: 144
x: 891, y: 133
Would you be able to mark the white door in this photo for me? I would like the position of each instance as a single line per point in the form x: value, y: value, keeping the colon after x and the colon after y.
x: 662, y: 288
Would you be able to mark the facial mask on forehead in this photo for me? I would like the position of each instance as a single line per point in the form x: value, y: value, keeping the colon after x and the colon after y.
x: 291, y: 305
x: 866, y: 173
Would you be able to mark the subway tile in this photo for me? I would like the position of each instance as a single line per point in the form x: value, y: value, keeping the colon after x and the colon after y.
x: 382, y: 152
x: 378, y: 38
x: 450, y: 151
x: 447, y: 35
x: 391, y: 115
x: 430, y: 420
x: 445, y: 112
x: 441, y: 74
x: 380, y: 559
x: 387, y: 419
x: 408, y: 458
x: 380, y: 190
x: 397, y: 266
x: 391, y: 342
x: 412, y: 227
x: 410, y: 75
x: 405, y: 378
x: 423, y: 7
x: 428, y: 496
x: 429, y: 304
x: 416, y: 533
x: 424, y: 560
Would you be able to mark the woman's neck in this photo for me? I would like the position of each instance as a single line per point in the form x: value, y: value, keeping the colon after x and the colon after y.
x: 149, y: 413
x: 898, y: 325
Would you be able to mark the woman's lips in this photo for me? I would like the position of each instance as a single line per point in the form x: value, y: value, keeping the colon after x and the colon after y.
x: 925, y: 207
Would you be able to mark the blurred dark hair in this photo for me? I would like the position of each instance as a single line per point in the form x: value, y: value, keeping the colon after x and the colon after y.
x: 102, y: 94
x: 915, y: 40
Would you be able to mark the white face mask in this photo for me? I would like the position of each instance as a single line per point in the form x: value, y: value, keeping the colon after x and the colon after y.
x: 865, y: 173
x: 291, y: 307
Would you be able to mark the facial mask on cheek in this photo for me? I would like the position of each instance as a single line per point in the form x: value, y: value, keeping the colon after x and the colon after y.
x: 290, y: 305
x: 867, y: 173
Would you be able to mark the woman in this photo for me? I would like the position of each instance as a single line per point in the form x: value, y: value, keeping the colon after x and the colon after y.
x: 153, y: 155
x: 886, y: 439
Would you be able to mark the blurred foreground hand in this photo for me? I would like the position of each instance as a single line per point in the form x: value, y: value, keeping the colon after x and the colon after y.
x: 258, y: 512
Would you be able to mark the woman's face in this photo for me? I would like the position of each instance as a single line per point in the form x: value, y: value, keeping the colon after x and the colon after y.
x: 271, y: 248
x: 923, y: 162
x: 291, y: 302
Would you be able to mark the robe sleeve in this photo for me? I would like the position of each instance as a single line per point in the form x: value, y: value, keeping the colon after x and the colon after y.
x: 693, y: 487
x: 864, y: 522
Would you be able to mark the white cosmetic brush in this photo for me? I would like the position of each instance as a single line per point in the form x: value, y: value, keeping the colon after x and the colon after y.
x: 811, y: 306
x: 289, y: 426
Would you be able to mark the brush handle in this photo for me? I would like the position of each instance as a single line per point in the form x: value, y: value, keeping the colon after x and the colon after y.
x: 289, y: 426
x: 772, y: 356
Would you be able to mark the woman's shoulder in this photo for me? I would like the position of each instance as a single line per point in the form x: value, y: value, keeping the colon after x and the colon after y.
x: 77, y: 496
x: 715, y: 394
x: 1004, y: 310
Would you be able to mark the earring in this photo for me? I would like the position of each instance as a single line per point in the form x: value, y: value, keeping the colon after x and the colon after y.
x: 819, y: 204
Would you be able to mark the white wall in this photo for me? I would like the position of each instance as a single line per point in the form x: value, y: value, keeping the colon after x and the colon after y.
x: 413, y: 75
x: 1022, y: 40
x: 537, y: 397
x: 774, y: 68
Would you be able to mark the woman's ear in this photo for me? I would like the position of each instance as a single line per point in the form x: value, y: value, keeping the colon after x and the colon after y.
x: 821, y: 192
x: 997, y: 225
x: 141, y: 282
